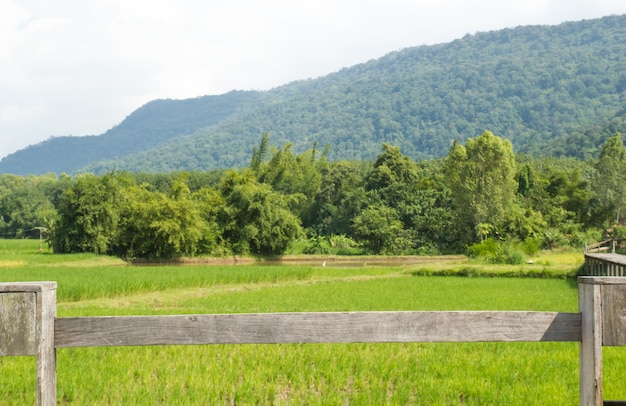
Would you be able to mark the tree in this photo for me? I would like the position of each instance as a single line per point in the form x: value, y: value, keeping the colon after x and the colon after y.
x: 259, y: 153
x: 290, y: 174
x: 341, y: 197
x: 394, y: 180
x: 481, y: 176
x: 211, y: 204
x: 380, y: 230
x: 395, y: 190
x: 26, y: 203
x: 526, y: 180
x: 610, y: 182
x: 555, y: 193
x: 89, y: 214
x: 257, y: 219
x: 161, y: 226
x: 433, y: 221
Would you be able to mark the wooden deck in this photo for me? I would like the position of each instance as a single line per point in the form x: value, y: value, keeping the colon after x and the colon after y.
x: 609, y: 264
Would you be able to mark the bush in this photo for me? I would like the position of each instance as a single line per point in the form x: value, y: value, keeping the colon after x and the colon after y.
x: 515, y: 257
x: 531, y: 245
x: 485, y: 249
x: 428, y: 249
x: 554, y: 238
x: 496, y: 252
x: 342, y: 242
x: 316, y: 246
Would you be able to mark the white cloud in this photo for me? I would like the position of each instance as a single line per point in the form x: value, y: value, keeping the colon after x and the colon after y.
x: 79, y: 67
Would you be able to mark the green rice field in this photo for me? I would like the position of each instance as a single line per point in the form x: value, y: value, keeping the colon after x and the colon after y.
x: 303, y: 374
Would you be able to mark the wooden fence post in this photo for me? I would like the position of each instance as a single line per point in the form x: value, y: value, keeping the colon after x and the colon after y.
x: 27, y: 312
x: 602, y: 302
x: 591, y: 343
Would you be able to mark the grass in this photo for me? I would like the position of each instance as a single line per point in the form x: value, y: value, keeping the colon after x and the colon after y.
x: 311, y: 374
x: 548, y: 264
x: 87, y: 276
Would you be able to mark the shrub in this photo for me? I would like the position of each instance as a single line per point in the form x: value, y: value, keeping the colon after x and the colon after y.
x: 496, y: 252
x: 427, y: 249
x: 485, y: 249
x: 316, y: 245
x: 516, y: 257
x: 341, y: 242
x: 531, y: 245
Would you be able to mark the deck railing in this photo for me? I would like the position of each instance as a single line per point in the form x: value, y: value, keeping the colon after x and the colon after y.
x: 601, y: 259
x: 606, y: 246
x: 30, y: 327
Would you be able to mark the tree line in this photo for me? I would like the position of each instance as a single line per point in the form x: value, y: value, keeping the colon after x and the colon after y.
x: 479, y: 195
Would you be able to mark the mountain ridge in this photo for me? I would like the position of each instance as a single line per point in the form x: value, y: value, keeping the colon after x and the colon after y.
x: 538, y: 86
x: 139, y: 131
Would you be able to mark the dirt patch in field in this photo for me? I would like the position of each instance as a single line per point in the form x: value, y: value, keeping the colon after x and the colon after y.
x: 11, y: 264
x: 313, y: 260
x: 364, y: 260
x: 198, y: 261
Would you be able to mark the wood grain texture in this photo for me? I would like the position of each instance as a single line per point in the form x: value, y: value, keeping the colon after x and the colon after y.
x: 27, y: 286
x: 589, y: 304
x: 317, y: 328
x: 602, y: 280
x: 614, y: 315
x: 18, y: 323
x: 46, y: 353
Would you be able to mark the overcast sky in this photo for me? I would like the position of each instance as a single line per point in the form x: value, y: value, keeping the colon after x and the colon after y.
x: 78, y: 67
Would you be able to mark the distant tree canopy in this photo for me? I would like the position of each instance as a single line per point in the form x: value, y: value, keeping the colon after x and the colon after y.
x: 392, y: 205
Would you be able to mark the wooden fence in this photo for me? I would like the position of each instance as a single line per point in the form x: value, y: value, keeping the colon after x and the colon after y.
x: 30, y: 327
x: 605, y: 265
x: 601, y: 259
x: 607, y: 246
x: 602, y: 246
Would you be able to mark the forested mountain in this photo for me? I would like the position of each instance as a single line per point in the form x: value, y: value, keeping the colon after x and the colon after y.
x: 146, y: 128
x: 550, y: 90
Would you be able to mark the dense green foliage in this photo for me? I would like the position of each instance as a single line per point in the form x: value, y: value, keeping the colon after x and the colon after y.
x: 482, y: 179
x: 610, y: 183
x: 481, y: 193
x: 550, y: 90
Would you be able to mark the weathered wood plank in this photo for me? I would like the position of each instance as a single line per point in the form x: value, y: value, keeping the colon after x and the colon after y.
x: 317, y: 328
x: 18, y: 323
x: 27, y: 316
x: 589, y: 304
x: 46, y: 353
x: 27, y: 286
x: 614, y: 315
x: 602, y: 280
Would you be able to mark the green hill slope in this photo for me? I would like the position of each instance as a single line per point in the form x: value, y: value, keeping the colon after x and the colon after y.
x: 551, y: 90
x: 146, y: 128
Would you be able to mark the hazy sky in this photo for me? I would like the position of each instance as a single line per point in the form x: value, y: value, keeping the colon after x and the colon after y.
x: 78, y: 67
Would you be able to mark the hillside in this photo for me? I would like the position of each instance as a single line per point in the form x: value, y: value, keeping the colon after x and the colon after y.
x: 551, y: 90
x: 146, y: 128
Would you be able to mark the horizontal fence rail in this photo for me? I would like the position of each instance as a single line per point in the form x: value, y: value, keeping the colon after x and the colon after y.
x: 602, y: 246
x: 30, y: 327
x: 606, y: 246
x: 273, y: 328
